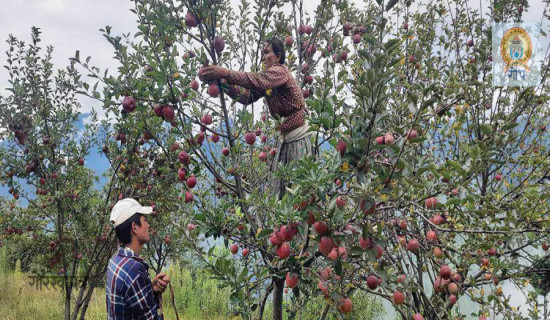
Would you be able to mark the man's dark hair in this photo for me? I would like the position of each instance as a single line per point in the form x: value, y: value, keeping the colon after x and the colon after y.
x: 278, y: 48
x: 124, y: 230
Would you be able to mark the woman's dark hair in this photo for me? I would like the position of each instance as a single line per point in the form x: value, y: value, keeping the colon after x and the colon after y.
x: 124, y: 230
x: 278, y: 48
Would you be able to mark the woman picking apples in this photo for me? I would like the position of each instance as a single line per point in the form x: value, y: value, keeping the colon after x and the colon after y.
x: 284, y: 99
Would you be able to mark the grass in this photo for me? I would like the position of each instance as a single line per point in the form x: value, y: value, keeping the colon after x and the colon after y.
x: 196, y: 296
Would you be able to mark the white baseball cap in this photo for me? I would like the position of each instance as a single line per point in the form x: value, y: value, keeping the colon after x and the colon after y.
x: 126, y: 208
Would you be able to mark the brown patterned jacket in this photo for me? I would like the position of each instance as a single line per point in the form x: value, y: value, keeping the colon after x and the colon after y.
x: 283, y: 94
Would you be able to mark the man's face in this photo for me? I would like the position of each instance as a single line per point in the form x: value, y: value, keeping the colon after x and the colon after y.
x: 141, y: 232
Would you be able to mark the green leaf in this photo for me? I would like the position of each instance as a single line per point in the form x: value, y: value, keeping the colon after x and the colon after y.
x: 428, y: 102
x: 265, y: 232
x: 486, y: 128
x: 412, y: 96
x: 509, y: 126
x: 455, y: 165
x: 338, y: 268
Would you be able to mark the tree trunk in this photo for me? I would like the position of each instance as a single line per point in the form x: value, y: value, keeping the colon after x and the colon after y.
x: 67, y: 300
x: 87, y: 299
x: 278, y: 287
x: 263, y: 300
x: 545, y: 308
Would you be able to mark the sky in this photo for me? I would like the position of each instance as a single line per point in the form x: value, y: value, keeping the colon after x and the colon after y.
x: 70, y: 25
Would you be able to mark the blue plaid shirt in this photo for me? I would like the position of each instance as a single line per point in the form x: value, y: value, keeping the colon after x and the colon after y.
x: 129, y: 290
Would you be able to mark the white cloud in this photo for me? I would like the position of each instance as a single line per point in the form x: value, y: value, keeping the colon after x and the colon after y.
x: 67, y: 25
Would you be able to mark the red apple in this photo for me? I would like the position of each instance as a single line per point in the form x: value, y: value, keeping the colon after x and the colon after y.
x: 188, y: 196
x: 417, y: 316
x: 195, y: 85
x: 234, y: 248
x: 168, y: 113
x: 291, y: 280
x: 341, y: 147
x: 272, y: 152
x: 288, y: 41
x: 245, y: 252
x: 365, y: 243
x: 275, y: 239
x: 452, y: 287
x: 206, y: 119
x: 191, y: 20
x: 321, y: 286
x: 249, y: 137
x: 470, y: 43
x: 498, y: 177
x: 215, y: 138
x: 184, y: 157
x: 413, y: 245
x: 431, y: 203
x: 431, y: 235
x: 182, y: 173
x: 372, y: 282
x: 412, y: 134
x: 166, y: 239
x: 191, y: 181
x: 129, y: 104
x: 398, y: 297
x: 342, y: 252
x: 405, y: 26
x: 320, y: 227
x: 445, y: 272
x: 158, y: 110
x: 213, y: 90
x: 333, y: 255
x: 453, y: 298
x: 219, y: 44
x: 340, y: 202
x: 283, y: 250
x: 325, y: 245
x: 345, y: 306
x: 225, y: 151
x: 263, y: 156
x: 380, y: 140
x: 343, y: 55
x: 347, y: 26
x: 356, y: 38
x: 286, y: 233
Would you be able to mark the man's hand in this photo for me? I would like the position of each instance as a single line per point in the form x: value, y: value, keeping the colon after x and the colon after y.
x: 213, y: 72
x: 160, y: 282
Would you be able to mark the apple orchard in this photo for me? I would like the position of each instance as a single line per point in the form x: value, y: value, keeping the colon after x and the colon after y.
x: 426, y: 186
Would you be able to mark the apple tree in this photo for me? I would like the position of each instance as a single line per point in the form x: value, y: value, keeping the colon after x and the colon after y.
x: 423, y: 188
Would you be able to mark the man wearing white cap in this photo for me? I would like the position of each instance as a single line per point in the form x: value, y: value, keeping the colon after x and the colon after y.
x: 130, y: 294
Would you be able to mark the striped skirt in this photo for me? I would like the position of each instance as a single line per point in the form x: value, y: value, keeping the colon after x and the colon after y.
x: 286, y: 153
